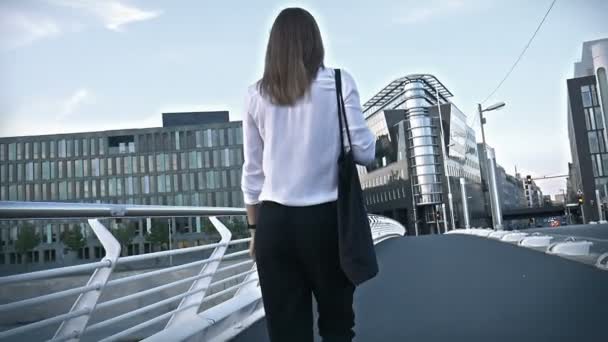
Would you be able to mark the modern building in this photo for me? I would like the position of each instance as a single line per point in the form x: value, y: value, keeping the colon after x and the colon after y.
x: 587, y: 106
x: 533, y: 194
x: 194, y: 159
x: 408, y: 179
x: 559, y: 199
x: 509, y: 187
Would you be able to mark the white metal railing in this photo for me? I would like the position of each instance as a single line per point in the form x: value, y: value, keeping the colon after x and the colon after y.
x: 217, y: 323
x: 584, y: 249
x: 75, y: 324
x: 224, y: 322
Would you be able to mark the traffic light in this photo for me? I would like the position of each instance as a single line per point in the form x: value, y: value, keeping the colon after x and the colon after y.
x: 581, y: 200
x: 528, y: 179
x: 438, y: 216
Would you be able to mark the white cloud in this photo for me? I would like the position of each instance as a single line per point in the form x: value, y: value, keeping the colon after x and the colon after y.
x: 423, y: 11
x: 114, y: 14
x: 72, y: 103
x: 19, y: 28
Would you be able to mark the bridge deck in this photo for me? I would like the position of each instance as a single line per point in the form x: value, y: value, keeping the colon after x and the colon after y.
x: 466, y: 288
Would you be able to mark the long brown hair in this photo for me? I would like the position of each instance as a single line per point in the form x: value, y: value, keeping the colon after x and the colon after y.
x: 293, y: 56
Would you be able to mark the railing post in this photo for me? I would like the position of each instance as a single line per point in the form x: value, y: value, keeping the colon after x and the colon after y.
x: 73, y: 327
x: 182, y: 316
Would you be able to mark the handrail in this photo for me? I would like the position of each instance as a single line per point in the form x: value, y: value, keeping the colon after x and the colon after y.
x: 45, y: 210
x: 74, y: 323
x: 243, y: 286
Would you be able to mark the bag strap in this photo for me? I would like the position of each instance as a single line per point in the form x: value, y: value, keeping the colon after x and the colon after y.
x: 341, y: 112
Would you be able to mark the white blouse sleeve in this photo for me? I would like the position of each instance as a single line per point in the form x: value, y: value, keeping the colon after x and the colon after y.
x: 253, y: 147
x: 362, y: 139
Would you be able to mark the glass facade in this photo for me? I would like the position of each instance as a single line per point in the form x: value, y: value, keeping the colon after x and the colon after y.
x: 197, y: 165
x: 596, y: 137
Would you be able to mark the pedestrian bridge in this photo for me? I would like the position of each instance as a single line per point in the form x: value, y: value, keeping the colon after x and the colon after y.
x: 468, y: 284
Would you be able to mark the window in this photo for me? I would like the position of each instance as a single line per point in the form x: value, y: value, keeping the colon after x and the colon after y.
x: 62, y: 149
x: 128, y: 163
x: 12, y: 151
x: 201, y: 182
x: 239, y: 136
x: 85, y: 147
x: 46, y: 170
x: 199, y: 139
x: 101, y: 145
x: 145, y: 184
x: 78, y: 168
x: 151, y: 163
x: 226, y: 157
x: 19, y: 151
x: 95, y: 167
x: 112, y: 186
x: 29, y: 171
x: 118, y: 165
x: 142, y: 164
x: 160, y: 181
x: 193, y: 162
x: 183, y: 161
x: 160, y: 162
x: 216, y: 158
x: 207, y: 159
x: 593, y: 142
x: 185, y: 182
x: 586, y: 96
x: 231, y: 136
x: 70, y: 147
x: 199, y: 160
x: 93, y: 146
x: 35, y: 146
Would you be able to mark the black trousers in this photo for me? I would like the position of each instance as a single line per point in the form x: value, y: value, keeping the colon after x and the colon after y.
x: 297, y: 256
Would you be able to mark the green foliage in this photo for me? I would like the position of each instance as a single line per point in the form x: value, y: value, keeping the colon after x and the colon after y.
x: 73, y: 239
x: 27, y: 239
x: 124, y: 233
x: 159, y: 234
x: 237, y: 226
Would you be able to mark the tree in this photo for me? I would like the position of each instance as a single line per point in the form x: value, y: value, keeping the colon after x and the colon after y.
x: 238, y: 227
x: 73, y: 239
x: 124, y: 233
x: 27, y: 239
x: 159, y: 234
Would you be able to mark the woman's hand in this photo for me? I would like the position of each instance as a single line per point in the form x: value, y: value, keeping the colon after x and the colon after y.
x: 252, y: 244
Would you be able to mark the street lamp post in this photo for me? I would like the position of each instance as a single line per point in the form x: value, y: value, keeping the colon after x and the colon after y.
x: 494, y: 200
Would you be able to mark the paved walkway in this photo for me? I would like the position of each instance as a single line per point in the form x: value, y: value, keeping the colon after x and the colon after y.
x: 466, y: 288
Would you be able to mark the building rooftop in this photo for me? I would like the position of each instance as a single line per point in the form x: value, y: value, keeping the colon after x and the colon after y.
x: 395, y: 88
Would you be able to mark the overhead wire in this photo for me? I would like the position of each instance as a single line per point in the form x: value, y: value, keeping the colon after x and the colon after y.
x: 521, y: 54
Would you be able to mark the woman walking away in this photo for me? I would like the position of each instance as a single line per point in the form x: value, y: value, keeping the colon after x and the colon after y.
x: 290, y: 179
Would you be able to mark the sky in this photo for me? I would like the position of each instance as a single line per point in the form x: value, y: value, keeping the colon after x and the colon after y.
x: 84, y: 65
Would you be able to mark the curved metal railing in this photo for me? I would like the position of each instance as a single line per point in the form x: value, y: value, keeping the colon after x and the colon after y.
x: 217, y: 323
x: 76, y: 323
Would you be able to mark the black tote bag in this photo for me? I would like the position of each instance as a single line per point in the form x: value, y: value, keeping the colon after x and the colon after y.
x: 357, y: 253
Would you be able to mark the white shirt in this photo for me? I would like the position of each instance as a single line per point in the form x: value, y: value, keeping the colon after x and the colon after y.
x: 291, y: 152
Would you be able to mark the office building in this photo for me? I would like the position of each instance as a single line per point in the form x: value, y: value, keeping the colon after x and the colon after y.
x: 509, y: 187
x: 194, y: 159
x: 559, y: 199
x: 587, y: 95
x: 407, y: 180
x: 533, y: 194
